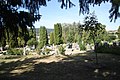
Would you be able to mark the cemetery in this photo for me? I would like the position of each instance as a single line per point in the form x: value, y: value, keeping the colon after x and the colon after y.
x: 39, y: 41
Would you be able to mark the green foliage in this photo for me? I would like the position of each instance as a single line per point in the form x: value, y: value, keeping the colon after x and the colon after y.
x: 23, y: 37
x: 102, y: 34
x: 76, y: 37
x: 118, y: 33
x: 112, y: 37
x: 2, y: 37
x: 47, y: 51
x: 2, y: 42
x: 70, y: 38
x: 32, y: 37
x: 32, y: 42
x: 108, y: 49
x: 43, y: 37
x: 21, y: 41
x: 14, y: 51
x: 92, y: 26
x: 51, y: 38
x: 70, y: 32
x: 13, y: 17
x: 38, y: 49
x: 82, y: 46
x: 86, y: 38
x: 61, y: 49
x: 13, y: 43
x: 32, y: 33
x: 58, y: 34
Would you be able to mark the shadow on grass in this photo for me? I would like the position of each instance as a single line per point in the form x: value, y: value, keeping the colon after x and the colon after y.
x: 69, y: 68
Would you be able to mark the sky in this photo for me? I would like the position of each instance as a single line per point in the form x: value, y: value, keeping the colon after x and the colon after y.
x: 52, y: 14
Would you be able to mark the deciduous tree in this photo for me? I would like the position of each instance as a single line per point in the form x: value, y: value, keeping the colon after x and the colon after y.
x: 91, y: 25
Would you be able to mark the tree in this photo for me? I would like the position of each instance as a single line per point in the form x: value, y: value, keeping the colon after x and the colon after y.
x: 43, y: 37
x: 32, y: 33
x: 70, y: 32
x: 23, y: 37
x: 51, y: 38
x: 13, y: 17
x: 2, y: 41
x: 102, y: 34
x: 21, y: 41
x: 31, y: 42
x: 91, y: 25
x: 86, y: 37
x: 64, y: 32
x: 58, y: 34
x: 118, y: 32
x: 70, y: 37
x: 76, y: 37
x: 112, y: 37
x: 12, y: 39
x: 32, y: 37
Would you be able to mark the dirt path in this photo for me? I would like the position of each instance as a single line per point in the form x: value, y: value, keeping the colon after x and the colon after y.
x: 78, y: 67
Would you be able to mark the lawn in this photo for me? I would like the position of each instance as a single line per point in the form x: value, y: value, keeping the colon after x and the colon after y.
x: 75, y: 67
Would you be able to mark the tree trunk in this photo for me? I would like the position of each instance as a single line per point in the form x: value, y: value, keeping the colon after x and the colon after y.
x: 96, y: 56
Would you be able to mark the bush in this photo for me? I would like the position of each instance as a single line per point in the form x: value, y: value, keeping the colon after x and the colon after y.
x: 38, y: 49
x: 44, y: 51
x: 14, y: 51
x: 32, y: 42
x: 61, y: 49
x: 108, y: 49
x: 47, y: 51
x: 82, y: 46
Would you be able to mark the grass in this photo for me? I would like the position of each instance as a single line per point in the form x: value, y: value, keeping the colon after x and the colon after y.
x: 74, y: 67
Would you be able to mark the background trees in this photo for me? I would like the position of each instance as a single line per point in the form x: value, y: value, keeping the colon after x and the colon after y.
x: 51, y: 38
x: 23, y: 19
x: 32, y: 37
x: 23, y: 37
x: 32, y: 42
x: 43, y: 37
x: 118, y: 32
x: 70, y: 32
x: 12, y: 17
x: 58, y: 34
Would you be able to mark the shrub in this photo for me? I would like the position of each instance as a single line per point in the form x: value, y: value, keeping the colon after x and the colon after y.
x: 14, y: 51
x: 108, y: 49
x: 32, y: 42
x: 61, y: 49
x: 38, y: 49
x: 47, y: 51
x: 82, y: 46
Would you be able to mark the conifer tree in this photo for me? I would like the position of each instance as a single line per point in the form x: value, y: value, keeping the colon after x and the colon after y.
x: 58, y: 34
x: 43, y: 37
x: 51, y: 38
